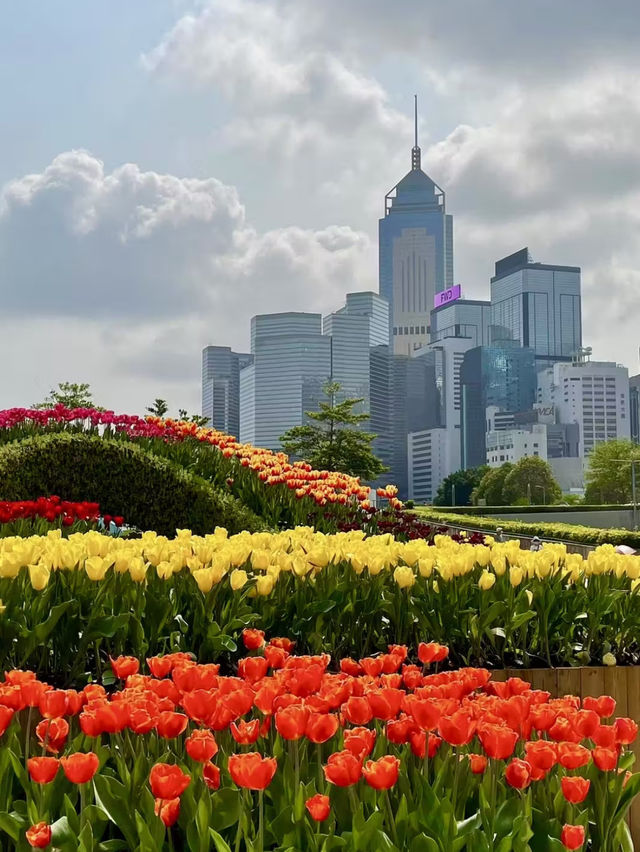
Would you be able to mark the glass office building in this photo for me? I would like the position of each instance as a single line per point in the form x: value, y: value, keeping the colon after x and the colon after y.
x: 462, y: 318
x: 221, y: 387
x: 502, y: 376
x: 538, y: 305
x: 291, y: 363
x: 415, y: 254
x: 360, y: 362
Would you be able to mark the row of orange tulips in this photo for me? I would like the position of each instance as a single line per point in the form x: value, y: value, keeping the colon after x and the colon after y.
x: 380, y: 753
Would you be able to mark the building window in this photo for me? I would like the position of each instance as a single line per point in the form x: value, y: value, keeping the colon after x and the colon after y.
x: 406, y: 329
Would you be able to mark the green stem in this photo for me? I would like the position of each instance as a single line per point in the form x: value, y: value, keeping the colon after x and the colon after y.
x: 390, y: 817
x: 260, y: 821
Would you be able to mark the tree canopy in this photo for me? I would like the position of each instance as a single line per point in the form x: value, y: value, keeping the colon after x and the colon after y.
x: 332, y: 441
x: 69, y: 394
x: 608, y: 478
x: 491, y: 488
x: 531, y: 479
x: 463, y: 482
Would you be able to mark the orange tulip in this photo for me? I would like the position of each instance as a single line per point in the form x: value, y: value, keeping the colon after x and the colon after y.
x: 572, y: 836
x: 318, y: 807
x: 80, y: 768
x: 251, y: 770
x: 201, y: 746
x: 575, y: 788
x: 343, y: 769
x: 381, y: 774
x: 168, y: 810
x: 43, y: 769
x: 39, y: 835
x: 167, y: 781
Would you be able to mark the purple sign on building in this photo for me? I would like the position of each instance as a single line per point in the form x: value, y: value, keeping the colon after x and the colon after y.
x: 447, y: 296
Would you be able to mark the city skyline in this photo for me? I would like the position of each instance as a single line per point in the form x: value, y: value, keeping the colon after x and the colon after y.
x: 162, y: 179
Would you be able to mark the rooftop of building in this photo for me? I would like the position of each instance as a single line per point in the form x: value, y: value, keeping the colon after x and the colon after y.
x: 522, y: 260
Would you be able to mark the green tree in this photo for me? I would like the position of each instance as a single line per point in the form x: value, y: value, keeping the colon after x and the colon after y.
x: 609, y: 474
x: 463, y: 483
x: 198, y: 419
x: 332, y: 441
x: 491, y: 488
x: 159, y: 407
x: 531, y: 480
x: 69, y: 394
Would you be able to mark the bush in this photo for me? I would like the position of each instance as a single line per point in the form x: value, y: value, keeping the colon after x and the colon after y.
x: 561, y: 532
x: 149, y: 492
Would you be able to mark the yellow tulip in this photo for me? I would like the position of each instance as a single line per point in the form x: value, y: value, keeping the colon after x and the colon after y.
x: 487, y: 580
x: 96, y: 567
x: 137, y: 569
x: 516, y: 575
x: 260, y: 560
x: 39, y: 577
x: 238, y: 579
x: 204, y: 579
x: 2, y: 607
x: 404, y: 576
x: 265, y: 584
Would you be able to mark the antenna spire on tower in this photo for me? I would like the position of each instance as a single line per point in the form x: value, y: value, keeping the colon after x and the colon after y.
x: 415, y: 151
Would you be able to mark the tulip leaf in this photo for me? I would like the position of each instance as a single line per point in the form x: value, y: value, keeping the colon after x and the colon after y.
x: 226, y: 808
x: 85, y: 840
x: 113, y: 798
x: 147, y: 843
x: 62, y: 833
x: 219, y: 842
x: 422, y: 843
x: 106, y: 626
x: 12, y: 825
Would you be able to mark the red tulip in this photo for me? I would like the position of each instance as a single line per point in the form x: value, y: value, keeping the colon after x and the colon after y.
x: 431, y: 652
x: 357, y: 710
x: 43, y: 769
x: 53, y: 732
x: 604, y: 706
x: 605, y: 736
x: 318, y: 807
x: 122, y: 667
x: 606, y: 759
x: 425, y: 712
x: 518, y: 774
x: 160, y: 666
x: 572, y: 836
x: 275, y: 657
x: 39, y: 835
x: 343, y: 769
x: 418, y: 741
x: 321, y: 727
x: 359, y: 741
x: 252, y: 669
x: 572, y: 755
x: 478, y: 763
x: 168, y: 781
x: 170, y: 725
x: 168, y: 810
x: 457, y: 729
x: 252, y: 639
x: 6, y: 715
x: 541, y: 754
x: 497, y: 741
x: 53, y: 703
x: 385, y: 703
x: 626, y: 731
x: 245, y: 733
x: 575, y: 788
x: 251, y: 770
x: 211, y: 776
x: 381, y: 774
x: 201, y: 746
x: 291, y: 722
x: 80, y: 768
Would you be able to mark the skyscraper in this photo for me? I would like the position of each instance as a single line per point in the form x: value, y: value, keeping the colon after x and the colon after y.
x: 360, y: 361
x: 221, y: 387
x: 537, y: 305
x: 416, y: 253
x: 462, y: 318
x: 593, y: 394
x: 291, y: 363
x: 503, y: 376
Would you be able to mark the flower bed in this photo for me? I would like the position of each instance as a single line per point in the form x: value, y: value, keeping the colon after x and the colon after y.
x: 267, y: 482
x: 69, y: 602
x: 379, y: 754
x: 36, y: 517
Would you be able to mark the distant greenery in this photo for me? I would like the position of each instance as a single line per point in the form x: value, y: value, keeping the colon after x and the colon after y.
x: 530, y: 480
x: 609, y: 477
x: 457, y: 488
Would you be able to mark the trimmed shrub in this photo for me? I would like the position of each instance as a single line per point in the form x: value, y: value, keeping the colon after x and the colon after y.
x: 151, y: 493
x: 560, y: 532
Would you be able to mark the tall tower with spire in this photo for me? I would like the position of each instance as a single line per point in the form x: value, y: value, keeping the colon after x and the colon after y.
x: 416, y: 252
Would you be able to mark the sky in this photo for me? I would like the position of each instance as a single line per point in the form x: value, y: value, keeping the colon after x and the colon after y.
x: 169, y: 168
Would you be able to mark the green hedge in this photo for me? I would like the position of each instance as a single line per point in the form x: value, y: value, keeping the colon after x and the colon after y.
x: 562, y: 532
x: 528, y: 510
x: 151, y: 493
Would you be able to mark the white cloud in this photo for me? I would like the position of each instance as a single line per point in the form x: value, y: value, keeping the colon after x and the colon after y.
x: 144, y: 270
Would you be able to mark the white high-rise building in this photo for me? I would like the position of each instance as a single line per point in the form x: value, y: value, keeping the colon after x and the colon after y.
x: 511, y: 445
x: 593, y: 394
x: 429, y: 454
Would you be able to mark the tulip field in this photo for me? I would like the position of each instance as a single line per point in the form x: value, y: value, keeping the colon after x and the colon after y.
x: 322, y: 679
